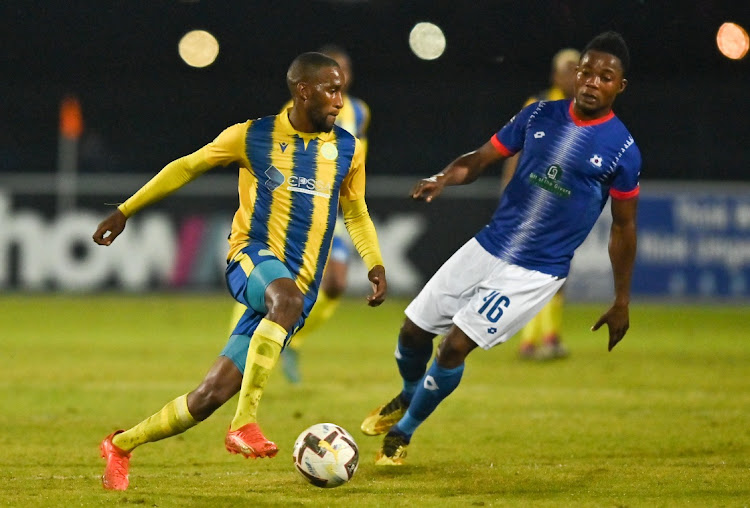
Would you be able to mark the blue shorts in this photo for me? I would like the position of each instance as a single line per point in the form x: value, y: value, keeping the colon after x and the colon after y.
x: 248, y: 274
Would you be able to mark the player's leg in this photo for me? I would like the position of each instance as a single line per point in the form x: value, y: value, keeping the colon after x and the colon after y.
x: 428, y: 315
x: 332, y: 288
x: 219, y: 385
x: 263, y: 283
x: 442, y: 378
x: 530, y: 335
x: 413, y: 352
x: 551, y: 320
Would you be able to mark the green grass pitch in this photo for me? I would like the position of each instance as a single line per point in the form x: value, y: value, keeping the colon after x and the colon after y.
x: 663, y: 420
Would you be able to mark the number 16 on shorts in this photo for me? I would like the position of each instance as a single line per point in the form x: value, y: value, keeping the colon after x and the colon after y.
x: 493, y: 306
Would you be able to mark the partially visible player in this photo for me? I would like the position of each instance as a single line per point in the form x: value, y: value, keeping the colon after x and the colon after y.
x: 541, y: 338
x: 296, y: 168
x: 576, y: 155
x: 354, y: 116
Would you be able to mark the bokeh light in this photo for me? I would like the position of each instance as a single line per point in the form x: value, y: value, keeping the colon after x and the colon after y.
x: 427, y: 41
x: 732, y: 40
x: 198, y: 48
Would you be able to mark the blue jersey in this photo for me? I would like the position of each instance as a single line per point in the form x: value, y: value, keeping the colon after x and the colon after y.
x: 566, y: 172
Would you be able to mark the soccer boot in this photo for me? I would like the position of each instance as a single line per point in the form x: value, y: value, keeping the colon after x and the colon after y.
x: 250, y: 442
x: 552, y: 349
x: 115, y: 475
x: 393, y: 450
x: 380, y: 420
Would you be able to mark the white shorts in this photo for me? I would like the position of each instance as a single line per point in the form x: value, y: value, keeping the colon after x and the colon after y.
x: 487, y: 298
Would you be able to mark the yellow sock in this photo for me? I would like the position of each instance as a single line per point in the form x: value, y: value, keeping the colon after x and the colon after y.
x: 173, y: 419
x: 237, y: 311
x: 321, y: 312
x: 551, y: 317
x: 264, y: 351
x: 530, y: 332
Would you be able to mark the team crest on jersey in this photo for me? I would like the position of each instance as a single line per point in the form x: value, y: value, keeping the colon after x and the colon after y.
x: 596, y: 160
x: 329, y: 151
x: 551, y: 181
x: 275, y: 178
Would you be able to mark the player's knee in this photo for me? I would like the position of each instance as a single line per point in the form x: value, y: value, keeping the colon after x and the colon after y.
x: 413, y: 336
x: 452, y: 352
x: 285, y: 306
x: 334, y: 290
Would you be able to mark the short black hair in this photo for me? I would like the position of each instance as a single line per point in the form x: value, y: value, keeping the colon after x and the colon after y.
x: 612, y: 43
x: 305, y: 66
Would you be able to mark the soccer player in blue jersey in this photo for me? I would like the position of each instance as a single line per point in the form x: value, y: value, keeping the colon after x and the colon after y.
x: 296, y: 168
x: 575, y: 155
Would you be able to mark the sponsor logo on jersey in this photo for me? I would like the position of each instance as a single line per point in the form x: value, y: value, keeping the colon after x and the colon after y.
x: 596, y: 160
x: 309, y: 186
x: 274, y: 178
x: 550, y: 182
x: 539, y: 134
x: 283, y: 146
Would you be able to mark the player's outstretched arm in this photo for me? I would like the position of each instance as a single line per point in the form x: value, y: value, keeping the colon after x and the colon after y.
x: 622, y: 247
x: 461, y: 171
x: 114, y: 225
x: 379, y: 285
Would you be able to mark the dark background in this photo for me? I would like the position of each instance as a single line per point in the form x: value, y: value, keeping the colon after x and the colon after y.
x: 686, y: 105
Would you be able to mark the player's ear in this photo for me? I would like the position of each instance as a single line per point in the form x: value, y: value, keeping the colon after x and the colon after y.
x: 303, y: 90
x: 623, y: 84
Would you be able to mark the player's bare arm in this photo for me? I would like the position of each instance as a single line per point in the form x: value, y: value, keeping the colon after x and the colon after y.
x: 114, y: 225
x: 379, y: 285
x: 622, y: 247
x: 461, y: 171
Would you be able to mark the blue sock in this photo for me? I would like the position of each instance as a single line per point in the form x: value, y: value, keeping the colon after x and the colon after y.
x: 438, y: 384
x: 412, y: 363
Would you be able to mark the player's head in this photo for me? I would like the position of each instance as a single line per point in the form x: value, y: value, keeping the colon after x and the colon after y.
x: 600, y: 75
x: 563, y: 73
x: 343, y: 59
x: 315, y: 82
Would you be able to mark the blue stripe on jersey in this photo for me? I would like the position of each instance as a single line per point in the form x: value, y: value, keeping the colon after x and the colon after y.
x: 301, y: 205
x: 359, y: 118
x: 260, y: 138
x: 345, y: 144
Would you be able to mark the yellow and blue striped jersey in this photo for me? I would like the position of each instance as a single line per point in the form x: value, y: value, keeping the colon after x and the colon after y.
x: 290, y: 186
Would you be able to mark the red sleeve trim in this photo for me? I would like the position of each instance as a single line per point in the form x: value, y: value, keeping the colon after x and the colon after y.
x: 624, y: 195
x: 500, y: 147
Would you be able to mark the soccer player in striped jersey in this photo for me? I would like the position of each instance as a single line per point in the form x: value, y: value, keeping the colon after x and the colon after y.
x: 296, y: 168
x: 576, y: 155
x: 354, y: 117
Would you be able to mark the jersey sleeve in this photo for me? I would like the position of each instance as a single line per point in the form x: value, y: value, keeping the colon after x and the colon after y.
x: 227, y: 147
x: 353, y: 186
x: 510, y: 139
x: 625, y: 184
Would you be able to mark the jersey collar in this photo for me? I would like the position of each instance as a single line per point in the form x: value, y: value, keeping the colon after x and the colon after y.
x: 287, y: 128
x: 587, y: 123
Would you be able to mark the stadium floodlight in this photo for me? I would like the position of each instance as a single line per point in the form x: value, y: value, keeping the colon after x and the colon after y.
x: 198, y: 48
x: 427, y: 41
x: 732, y: 40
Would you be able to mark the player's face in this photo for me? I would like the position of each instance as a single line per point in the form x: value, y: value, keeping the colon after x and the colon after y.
x: 598, y: 81
x: 325, y: 101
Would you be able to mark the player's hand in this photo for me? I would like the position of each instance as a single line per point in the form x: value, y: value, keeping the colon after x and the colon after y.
x: 379, y: 285
x: 114, y: 224
x: 428, y: 189
x: 617, y: 320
